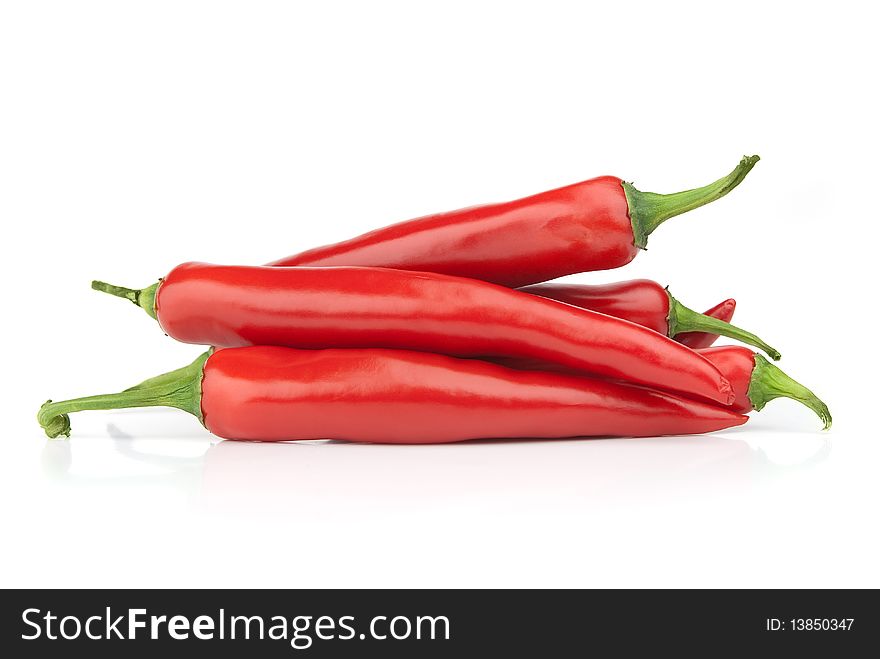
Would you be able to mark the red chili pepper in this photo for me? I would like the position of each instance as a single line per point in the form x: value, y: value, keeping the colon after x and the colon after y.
x: 593, y: 225
x: 756, y: 381
x: 228, y: 306
x: 646, y: 303
x: 723, y: 311
x: 272, y: 393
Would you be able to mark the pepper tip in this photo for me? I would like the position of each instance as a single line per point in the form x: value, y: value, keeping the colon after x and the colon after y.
x: 727, y: 389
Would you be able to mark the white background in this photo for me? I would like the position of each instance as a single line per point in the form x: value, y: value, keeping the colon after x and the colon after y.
x: 134, y: 136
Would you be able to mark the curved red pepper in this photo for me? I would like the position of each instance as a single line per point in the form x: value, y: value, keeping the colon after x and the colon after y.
x: 649, y: 304
x: 722, y: 311
x: 593, y: 225
x: 756, y: 381
x: 272, y: 393
x: 343, y: 307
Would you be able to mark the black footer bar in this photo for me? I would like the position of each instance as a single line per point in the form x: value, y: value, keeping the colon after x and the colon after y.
x: 317, y: 623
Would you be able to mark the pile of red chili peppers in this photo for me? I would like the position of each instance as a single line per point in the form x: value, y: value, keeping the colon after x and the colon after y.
x: 442, y: 329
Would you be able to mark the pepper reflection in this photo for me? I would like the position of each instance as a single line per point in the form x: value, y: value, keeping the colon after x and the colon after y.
x: 255, y: 476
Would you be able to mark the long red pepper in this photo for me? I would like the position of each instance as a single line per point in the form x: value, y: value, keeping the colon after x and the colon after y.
x: 271, y: 393
x: 646, y: 303
x: 756, y: 381
x: 723, y: 311
x: 344, y: 307
x: 593, y: 225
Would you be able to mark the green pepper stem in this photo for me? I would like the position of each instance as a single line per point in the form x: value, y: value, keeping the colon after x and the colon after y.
x: 145, y: 298
x: 181, y: 389
x: 682, y: 319
x: 159, y: 380
x: 648, y: 210
x: 768, y: 381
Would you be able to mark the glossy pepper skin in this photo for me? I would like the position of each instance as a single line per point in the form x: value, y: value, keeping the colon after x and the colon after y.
x: 593, y: 225
x: 271, y: 393
x: 650, y: 305
x: 756, y: 381
x: 723, y: 311
x: 344, y: 307
x: 639, y: 301
x: 577, y: 228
